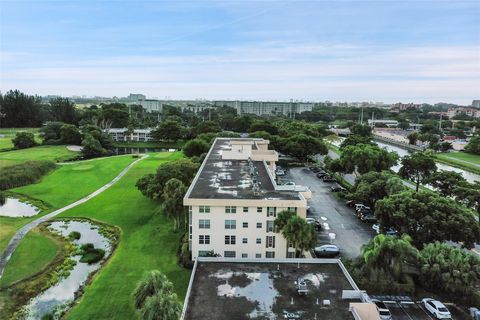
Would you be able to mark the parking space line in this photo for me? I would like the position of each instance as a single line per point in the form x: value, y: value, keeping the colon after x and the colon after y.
x: 405, y: 311
x: 425, y: 311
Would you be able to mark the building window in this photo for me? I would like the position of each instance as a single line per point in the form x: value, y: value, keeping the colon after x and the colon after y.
x: 245, y: 209
x: 259, y: 240
x: 259, y: 209
x: 204, y: 239
x: 245, y: 224
x: 230, y: 239
x: 204, y: 253
x: 230, y: 224
x: 244, y: 255
x: 245, y: 240
x: 292, y: 209
x: 258, y: 255
x: 204, y: 224
x: 271, y: 211
x: 290, y: 254
x: 229, y: 209
x: 229, y: 254
x: 259, y: 225
x: 270, y: 254
x: 270, y: 226
x: 204, y: 209
x: 270, y: 242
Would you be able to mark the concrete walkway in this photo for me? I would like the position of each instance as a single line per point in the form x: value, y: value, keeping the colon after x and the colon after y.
x: 22, y: 232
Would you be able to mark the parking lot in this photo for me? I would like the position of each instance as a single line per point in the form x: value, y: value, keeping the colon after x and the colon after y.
x: 350, y: 232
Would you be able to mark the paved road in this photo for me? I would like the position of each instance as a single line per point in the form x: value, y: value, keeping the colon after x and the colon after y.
x: 15, y: 241
x: 350, y: 232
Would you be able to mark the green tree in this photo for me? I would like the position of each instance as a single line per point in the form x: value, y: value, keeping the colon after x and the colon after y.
x: 20, y: 110
x: 373, y: 186
x: 173, y: 194
x: 391, y: 255
x: 417, y: 167
x: 263, y: 125
x: 450, y: 270
x: 469, y: 194
x: 206, y: 127
x: 363, y: 158
x: 403, y: 124
x: 195, y: 147
x: 170, y: 130
x: 361, y: 130
x: 299, y: 233
x: 335, y: 166
x: 428, y: 217
x: 412, y: 137
x: 63, y: 110
x: 151, y: 185
x: 69, y: 134
x: 164, y: 306
x: 353, y: 140
x: 51, y: 132
x: 115, y: 115
x: 445, y: 181
x: 92, y: 147
x: 24, y: 140
x: 473, y: 145
x: 154, y: 298
x: 282, y: 218
x: 303, y: 147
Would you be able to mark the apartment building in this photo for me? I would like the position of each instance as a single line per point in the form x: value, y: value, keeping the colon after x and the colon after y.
x: 122, y: 134
x: 471, y: 112
x: 267, y: 108
x: 234, y: 200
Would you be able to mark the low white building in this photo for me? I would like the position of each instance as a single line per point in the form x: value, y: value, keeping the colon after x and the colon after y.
x: 234, y: 200
x: 123, y: 134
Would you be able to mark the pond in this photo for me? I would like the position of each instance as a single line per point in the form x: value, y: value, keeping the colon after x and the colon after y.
x: 131, y: 150
x: 61, y: 295
x: 15, y: 208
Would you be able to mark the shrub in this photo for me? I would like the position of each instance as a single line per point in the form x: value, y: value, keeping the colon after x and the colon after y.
x: 74, y: 235
x: 24, y: 140
x: 90, y: 254
x: 195, y: 147
x: 24, y: 173
x: 3, y: 199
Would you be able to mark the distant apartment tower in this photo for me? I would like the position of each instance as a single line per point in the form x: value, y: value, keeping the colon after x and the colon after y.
x: 470, y: 112
x: 397, y: 107
x: 476, y: 104
x: 151, y: 105
x: 233, y: 202
x: 136, y: 97
x: 267, y: 108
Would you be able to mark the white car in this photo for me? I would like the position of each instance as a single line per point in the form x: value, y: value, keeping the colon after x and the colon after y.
x: 376, y: 227
x: 382, y: 310
x: 436, y: 308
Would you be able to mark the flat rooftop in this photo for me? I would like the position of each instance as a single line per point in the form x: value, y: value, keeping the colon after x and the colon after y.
x: 231, y: 179
x: 267, y: 290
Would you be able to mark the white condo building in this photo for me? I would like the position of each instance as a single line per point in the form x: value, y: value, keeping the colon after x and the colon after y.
x: 234, y: 200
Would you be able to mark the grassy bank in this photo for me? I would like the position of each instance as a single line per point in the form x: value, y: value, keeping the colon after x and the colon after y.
x: 462, y: 160
x: 52, y: 153
x: 147, y: 242
x: 63, y: 186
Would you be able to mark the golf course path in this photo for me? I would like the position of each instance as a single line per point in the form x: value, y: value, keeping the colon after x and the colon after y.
x: 15, y: 241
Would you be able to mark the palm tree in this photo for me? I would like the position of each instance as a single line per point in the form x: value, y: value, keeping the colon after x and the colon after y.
x: 173, y: 194
x: 282, y: 218
x: 161, y: 306
x: 390, y: 254
x: 298, y: 232
x: 152, y: 283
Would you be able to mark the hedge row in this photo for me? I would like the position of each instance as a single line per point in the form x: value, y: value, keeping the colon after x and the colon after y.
x: 24, y: 173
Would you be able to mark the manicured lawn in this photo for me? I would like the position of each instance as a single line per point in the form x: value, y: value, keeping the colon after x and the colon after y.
x: 63, y: 186
x: 6, y: 144
x: 53, y: 153
x: 10, y: 132
x: 147, y: 242
x: 32, y: 255
x: 73, y: 181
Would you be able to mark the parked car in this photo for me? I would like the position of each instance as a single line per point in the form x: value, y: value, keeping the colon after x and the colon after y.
x: 390, y: 232
x: 328, y: 179
x: 362, y: 213
x: 315, y: 223
x: 350, y: 203
x: 368, y: 218
x: 314, y: 169
x: 327, y: 251
x: 360, y: 206
x: 382, y: 310
x: 337, y: 188
x: 280, y: 172
x: 436, y: 308
x: 321, y: 174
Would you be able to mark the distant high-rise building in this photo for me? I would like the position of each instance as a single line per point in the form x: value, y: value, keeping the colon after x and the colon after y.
x: 136, y: 97
x: 476, y: 104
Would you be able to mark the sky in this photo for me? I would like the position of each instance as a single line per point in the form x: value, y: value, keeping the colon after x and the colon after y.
x: 389, y: 51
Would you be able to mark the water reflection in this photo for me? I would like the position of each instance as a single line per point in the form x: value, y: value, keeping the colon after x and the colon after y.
x: 15, y: 208
x: 63, y: 293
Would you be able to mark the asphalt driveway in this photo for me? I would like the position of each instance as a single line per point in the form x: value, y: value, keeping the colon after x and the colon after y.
x: 350, y: 232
